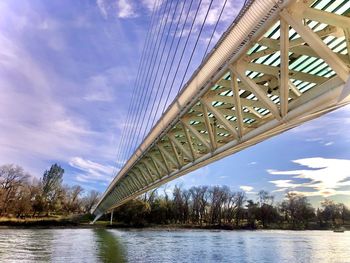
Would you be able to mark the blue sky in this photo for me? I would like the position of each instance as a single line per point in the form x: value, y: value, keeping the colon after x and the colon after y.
x: 67, y: 70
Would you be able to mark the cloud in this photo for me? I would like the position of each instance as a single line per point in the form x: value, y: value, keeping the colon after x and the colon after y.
x: 328, y: 143
x: 43, y: 116
x: 93, y: 171
x: 101, y: 4
x: 126, y: 9
x: 98, y: 89
x: 324, y: 177
x: 320, y: 140
x: 231, y: 10
x: 247, y: 188
x: 150, y: 4
x: 337, y: 128
x: 33, y: 122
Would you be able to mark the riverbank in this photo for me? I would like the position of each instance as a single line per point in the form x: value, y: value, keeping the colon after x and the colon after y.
x: 215, y: 227
x: 84, y: 222
x: 46, y: 222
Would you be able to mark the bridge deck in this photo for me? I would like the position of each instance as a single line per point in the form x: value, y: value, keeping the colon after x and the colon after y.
x: 277, y: 67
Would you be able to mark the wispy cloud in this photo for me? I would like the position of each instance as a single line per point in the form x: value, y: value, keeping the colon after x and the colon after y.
x: 33, y: 122
x: 337, y: 128
x: 328, y: 143
x: 150, y: 4
x: 246, y: 188
x: 101, y: 4
x: 93, y: 171
x: 99, y: 89
x: 126, y: 9
x: 44, y: 117
x: 324, y: 177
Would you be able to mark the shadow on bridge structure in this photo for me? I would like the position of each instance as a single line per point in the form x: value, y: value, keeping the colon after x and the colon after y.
x: 279, y: 65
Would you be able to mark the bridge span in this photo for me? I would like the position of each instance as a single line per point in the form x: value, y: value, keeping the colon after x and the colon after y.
x: 282, y: 63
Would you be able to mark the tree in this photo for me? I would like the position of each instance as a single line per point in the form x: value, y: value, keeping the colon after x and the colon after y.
x: 52, y: 186
x: 37, y: 200
x: 12, y: 177
x: 22, y: 205
x: 252, y: 213
x: 181, y: 204
x: 134, y: 212
x: 330, y: 211
x: 72, y: 202
x: 240, y: 200
x: 218, y: 196
x: 266, y: 213
x: 344, y: 212
x: 90, y: 200
x: 297, y: 209
x: 199, y: 197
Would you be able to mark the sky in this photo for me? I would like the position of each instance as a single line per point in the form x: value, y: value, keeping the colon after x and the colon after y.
x: 67, y: 71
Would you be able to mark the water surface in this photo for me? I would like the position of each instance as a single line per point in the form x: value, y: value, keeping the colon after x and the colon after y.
x: 109, y: 245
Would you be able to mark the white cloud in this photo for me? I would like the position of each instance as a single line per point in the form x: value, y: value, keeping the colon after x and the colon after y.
x: 102, y: 7
x: 99, y: 89
x: 94, y: 172
x: 337, y: 127
x: 247, y: 188
x: 150, y: 4
x: 328, y: 143
x: 325, y: 177
x: 126, y: 9
x: 231, y: 10
x: 42, y: 116
x: 33, y: 122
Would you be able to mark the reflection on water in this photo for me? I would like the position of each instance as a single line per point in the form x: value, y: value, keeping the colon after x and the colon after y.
x: 107, y: 245
x: 109, y: 248
x: 60, y: 245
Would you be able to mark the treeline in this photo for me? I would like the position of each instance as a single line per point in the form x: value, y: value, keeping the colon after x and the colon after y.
x: 22, y: 195
x: 219, y: 206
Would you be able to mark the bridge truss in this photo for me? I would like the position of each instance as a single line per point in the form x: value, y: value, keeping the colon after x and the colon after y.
x: 281, y: 64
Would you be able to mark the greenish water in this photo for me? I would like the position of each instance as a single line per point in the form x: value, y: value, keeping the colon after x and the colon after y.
x: 109, y: 245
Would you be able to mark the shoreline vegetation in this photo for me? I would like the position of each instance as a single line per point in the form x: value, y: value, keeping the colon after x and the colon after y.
x: 47, y: 203
x: 52, y: 223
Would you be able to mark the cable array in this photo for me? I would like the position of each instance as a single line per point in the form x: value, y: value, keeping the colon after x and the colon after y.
x: 170, y: 50
x: 120, y: 152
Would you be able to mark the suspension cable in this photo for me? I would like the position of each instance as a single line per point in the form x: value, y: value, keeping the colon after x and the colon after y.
x: 145, y: 46
x: 144, y: 90
x: 182, y: 54
x: 135, y: 109
x: 164, y: 66
x: 172, y: 62
x: 193, y: 50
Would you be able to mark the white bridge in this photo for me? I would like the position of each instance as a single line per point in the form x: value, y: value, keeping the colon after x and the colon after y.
x: 282, y: 63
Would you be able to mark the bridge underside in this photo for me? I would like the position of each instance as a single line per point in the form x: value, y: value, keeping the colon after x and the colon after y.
x: 279, y: 66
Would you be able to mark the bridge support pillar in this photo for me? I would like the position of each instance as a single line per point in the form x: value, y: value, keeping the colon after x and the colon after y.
x: 111, y: 221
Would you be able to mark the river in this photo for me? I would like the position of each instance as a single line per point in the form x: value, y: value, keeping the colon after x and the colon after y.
x: 111, y: 245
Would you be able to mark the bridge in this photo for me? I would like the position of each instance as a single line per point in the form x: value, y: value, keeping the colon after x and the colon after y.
x: 280, y: 64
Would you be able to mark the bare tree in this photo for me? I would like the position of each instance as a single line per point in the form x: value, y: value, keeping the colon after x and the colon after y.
x: 12, y: 177
x: 297, y: 209
x: 72, y: 200
x: 90, y: 200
